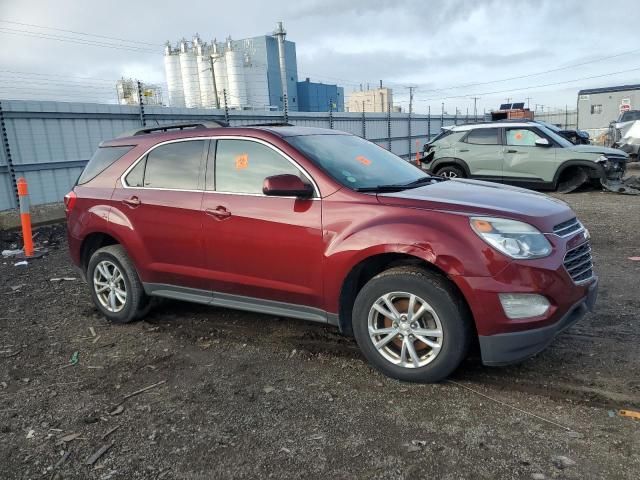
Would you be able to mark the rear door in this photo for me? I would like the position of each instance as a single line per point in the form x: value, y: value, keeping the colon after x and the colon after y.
x: 524, y: 161
x: 162, y: 198
x: 481, y: 149
x: 258, y: 246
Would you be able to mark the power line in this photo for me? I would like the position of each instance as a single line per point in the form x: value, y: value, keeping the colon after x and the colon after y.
x: 534, y: 86
x: 608, y: 57
x: 80, y: 33
x: 60, y: 38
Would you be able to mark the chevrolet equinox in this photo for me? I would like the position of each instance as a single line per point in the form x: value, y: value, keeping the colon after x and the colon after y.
x: 322, y: 225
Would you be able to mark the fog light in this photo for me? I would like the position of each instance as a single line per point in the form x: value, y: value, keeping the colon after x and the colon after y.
x: 523, y: 305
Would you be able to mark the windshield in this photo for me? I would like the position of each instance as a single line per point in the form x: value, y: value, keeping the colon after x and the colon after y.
x: 630, y: 116
x: 356, y: 163
x: 550, y: 126
x: 564, y: 143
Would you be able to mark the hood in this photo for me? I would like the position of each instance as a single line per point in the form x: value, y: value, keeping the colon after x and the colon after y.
x: 475, y: 197
x: 597, y: 149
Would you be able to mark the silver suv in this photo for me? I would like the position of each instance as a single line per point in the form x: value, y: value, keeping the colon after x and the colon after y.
x: 526, y: 154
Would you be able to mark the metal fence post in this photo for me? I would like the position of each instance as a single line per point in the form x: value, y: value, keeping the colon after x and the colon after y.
x: 389, y: 126
x: 409, y: 134
x: 364, y: 125
x: 286, y: 108
x: 226, y: 105
x: 331, y: 115
x: 143, y: 121
x: 429, y: 124
x: 442, y: 116
x: 7, y: 155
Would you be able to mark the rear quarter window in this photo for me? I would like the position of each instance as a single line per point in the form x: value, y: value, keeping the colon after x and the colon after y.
x: 100, y: 161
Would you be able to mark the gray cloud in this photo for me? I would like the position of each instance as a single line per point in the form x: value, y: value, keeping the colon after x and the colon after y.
x: 432, y: 44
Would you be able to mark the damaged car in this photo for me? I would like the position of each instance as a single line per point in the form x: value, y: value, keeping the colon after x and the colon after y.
x: 626, y: 133
x: 525, y: 154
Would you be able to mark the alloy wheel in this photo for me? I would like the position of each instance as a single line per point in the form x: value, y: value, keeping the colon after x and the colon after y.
x: 405, y: 329
x: 109, y: 285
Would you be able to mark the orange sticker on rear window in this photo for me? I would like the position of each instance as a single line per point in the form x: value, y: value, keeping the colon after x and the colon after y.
x: 242, y: 161
x: 363, y: 160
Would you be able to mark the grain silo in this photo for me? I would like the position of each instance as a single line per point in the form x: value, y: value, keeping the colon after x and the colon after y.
x: 190, y: 78
x: 174, y: 76
x: 205, y: 75
x: 236, y: 86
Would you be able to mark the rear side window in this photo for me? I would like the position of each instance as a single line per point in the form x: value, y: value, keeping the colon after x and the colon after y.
x: 242, y: 166
x: 484, y: 136
x: 176, y: 166
x: 103, y: 158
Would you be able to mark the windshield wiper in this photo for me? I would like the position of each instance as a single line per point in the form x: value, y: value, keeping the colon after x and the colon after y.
x: 396, y: 187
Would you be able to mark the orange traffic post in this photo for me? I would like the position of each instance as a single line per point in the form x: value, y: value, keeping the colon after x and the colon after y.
x: 25, y: 217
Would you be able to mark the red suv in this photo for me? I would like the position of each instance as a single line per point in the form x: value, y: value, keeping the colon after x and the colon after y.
x: 325, y: 226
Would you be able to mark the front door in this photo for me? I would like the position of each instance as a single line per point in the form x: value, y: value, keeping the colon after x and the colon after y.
x: 257, y: 246
x: 162, y: 200
x: 524, y: 161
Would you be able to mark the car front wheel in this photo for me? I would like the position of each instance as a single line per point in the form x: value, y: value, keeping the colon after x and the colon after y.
x: 451, y: 171
x: 411, y: 325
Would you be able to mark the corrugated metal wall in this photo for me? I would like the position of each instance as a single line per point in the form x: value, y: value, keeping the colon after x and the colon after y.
x: 50, y: 142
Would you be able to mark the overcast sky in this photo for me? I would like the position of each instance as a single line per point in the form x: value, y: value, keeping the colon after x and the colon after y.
x: 434, y: 45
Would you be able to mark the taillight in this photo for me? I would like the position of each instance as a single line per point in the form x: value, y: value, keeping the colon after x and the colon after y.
x: 70, y: 201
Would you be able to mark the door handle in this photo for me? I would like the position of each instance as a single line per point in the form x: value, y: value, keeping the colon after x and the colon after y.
x: 132, y: 201
x: 512, y: 151
x: 219, y: 212
x: 464, y: 150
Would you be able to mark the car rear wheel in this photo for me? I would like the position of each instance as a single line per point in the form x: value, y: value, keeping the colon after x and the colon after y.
x: 410, y: 325
x: 115, y: 287
x: 450, y: 171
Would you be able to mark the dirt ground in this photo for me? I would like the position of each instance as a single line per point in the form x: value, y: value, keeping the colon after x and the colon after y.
x: 243, y: 395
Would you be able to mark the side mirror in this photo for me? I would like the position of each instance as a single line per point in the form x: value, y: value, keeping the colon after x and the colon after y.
x: 286, y: 185
x: 543, y: 142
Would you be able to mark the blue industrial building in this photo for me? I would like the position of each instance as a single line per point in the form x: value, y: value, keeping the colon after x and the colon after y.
x: 317, y: 97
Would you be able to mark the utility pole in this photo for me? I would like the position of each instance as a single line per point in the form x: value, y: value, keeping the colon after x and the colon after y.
x: 528, y: 102
x: 508, y: 99
x: 411, y: 89
x: 475, y: 107
x: 215, y: 89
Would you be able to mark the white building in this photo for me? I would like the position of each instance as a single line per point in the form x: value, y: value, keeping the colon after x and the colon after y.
x: 254, y: 73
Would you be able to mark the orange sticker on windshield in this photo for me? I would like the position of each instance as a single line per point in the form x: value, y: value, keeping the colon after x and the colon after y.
x: 242, y: 161
x: 363, y: 160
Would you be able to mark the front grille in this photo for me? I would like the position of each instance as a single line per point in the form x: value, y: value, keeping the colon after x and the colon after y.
x: 567, y: 228
x: 579, y: 263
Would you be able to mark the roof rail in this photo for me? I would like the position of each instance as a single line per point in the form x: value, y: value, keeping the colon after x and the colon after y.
x: 175, y: 126
x: 273, y: 124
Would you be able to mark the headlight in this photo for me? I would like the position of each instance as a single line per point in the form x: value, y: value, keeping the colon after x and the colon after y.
x: 515, y: 239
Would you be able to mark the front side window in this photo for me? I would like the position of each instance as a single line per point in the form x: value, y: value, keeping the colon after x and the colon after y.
x: 176, y: 166
x: 100, y: 161
x: 521, y: 137
x: 355, y: 162
x: 242, y: 166
x: 484, y: 136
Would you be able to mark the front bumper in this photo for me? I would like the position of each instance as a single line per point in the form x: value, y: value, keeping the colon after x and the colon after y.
x: 513, y: 347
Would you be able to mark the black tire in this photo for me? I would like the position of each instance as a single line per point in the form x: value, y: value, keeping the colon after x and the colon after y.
x: 137, y: 303
x: 450, y: 171
x: 438, y: 292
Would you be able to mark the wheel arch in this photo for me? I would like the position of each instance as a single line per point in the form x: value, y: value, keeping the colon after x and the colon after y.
x: 445, y: 161
x: 371, y: 266
x: 93, y: 242
x: 592, y: 167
